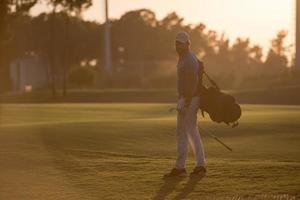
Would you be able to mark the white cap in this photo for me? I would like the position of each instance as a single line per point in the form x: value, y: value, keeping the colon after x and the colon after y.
x: 183, y: 37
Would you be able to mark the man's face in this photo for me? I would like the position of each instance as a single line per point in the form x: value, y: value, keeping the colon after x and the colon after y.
x: 181, y: 48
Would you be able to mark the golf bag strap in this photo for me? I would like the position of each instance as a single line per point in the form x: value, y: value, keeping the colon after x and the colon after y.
x: 202, y: 71
x: 211, y: 81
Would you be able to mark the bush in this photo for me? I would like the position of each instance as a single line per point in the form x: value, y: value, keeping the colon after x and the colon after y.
x: 82, y: 77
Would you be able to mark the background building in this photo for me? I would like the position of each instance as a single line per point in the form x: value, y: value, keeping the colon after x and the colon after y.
x: 28, y: 73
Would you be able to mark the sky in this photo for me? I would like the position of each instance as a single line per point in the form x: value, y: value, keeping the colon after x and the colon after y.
x: 259, y: 20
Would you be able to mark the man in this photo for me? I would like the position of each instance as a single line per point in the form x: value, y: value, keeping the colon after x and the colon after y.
x: 188, y: 86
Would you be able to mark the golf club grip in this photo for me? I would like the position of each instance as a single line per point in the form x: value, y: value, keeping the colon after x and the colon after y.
x: 223, y: 144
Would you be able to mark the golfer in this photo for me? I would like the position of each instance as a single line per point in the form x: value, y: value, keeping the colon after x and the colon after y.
x: 188, y: 103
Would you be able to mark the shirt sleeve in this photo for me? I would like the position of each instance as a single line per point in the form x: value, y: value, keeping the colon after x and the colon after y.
x: 181, y: 81
x: 191, y: 81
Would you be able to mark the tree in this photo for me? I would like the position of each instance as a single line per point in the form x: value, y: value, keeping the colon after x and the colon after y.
x: 82, y: 77
x: 198, y: 36
x: 69, y: 7
x: 133, y: 32
x: 9, y: 9
x: 241, y: 53
x: 172, y: 22
x: 276, y: 58
x: 139, y: 43
x: 223, y: 55
x: 256, y: 55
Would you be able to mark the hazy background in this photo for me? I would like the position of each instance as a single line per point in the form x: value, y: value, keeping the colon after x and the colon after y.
x: 245, y: 45
x: 258, y: 19
x: 74, y: 127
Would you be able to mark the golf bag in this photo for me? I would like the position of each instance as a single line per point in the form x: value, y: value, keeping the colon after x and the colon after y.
x: 221, y: 107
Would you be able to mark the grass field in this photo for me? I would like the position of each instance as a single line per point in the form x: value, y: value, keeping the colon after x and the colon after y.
x: 121, y: 151
x: 289, y: 95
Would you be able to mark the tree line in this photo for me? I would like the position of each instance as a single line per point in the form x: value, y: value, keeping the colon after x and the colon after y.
x: 143, y: 50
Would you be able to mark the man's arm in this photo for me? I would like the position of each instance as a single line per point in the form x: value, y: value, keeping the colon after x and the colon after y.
x: 191, y: 82
x: 181, y: 89
x: 181, y: 82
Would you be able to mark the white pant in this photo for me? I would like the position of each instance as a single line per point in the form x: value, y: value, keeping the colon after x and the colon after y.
x: 187, y: 131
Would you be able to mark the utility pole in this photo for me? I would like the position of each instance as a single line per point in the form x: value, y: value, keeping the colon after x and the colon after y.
x: 297, y: 34
x: 107, y: 47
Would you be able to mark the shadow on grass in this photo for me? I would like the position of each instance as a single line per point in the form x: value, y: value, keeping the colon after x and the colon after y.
x: 189, y: 187
x: 169, y: 186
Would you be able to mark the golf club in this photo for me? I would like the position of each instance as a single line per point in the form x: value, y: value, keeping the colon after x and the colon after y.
x: 171, y: 110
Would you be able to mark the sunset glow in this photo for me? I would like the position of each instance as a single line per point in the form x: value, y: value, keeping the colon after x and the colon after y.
x: 259, y: 20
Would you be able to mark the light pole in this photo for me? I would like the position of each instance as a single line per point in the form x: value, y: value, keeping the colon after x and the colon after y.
x: 298, y: 34
x: 107, y: 47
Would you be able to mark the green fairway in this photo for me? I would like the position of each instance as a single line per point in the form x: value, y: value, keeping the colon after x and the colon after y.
x: 121, y: 151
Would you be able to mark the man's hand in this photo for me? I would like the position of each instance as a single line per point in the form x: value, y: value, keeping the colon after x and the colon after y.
x: 181, y: 105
